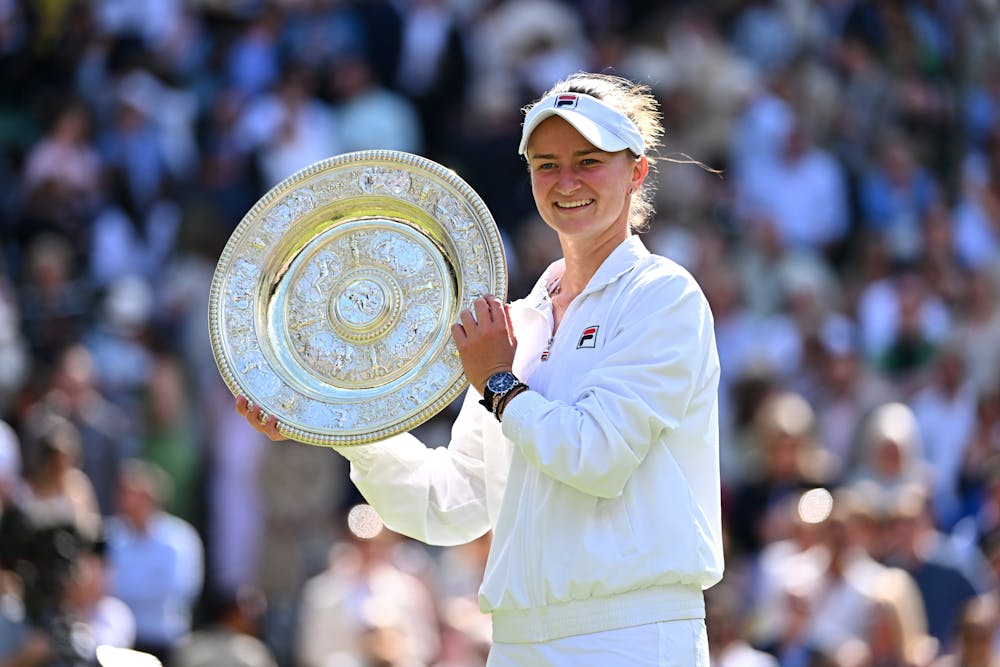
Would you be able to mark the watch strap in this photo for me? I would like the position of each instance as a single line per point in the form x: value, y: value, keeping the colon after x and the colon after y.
x: 493, y: 401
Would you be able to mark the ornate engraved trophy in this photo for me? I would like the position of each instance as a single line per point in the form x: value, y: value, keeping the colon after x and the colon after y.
x: 332, y: 303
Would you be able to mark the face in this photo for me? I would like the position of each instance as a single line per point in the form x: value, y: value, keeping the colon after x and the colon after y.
x: 581, y: 191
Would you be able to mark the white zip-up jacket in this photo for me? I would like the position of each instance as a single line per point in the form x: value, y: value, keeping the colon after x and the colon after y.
x: 602, y: 483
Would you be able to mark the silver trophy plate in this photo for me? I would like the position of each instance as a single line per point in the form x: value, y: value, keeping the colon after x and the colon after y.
x: 332, y: 303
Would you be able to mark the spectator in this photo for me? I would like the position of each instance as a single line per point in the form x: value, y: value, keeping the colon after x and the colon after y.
x: 108, y: 620
x: 54, y: 298
x: 975, y: 635
x: 867, y: 107
x: 433, y: 70
x: 231, y: 637
x: 131, y: 144
x: 976, y: 236
x: 170, y: 438
x: 103, y: 426
x: 981, y: 454
x: 890, y: 450
x: 253, y: 63
x: 946, y: 412
x: 801, y: 194
x: 364, y: 602
x: 57, y: 492
x: 944, y: 581
x: 156, y: 560
x: 128, y: 238
x: 902, y: 322
x: 49, y: 519
x: 288, y: 128
x: 64, y: 164
x: 21, y: 644
x: 848, y: 391
x: 896, y: 625
x: 789, y: 464
x: 896, y: 194
x: 369, y: 115
x: 976, y: 336
x: 300, y: 487
x: 118, y: 341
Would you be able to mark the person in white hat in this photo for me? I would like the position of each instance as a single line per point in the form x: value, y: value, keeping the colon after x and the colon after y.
x: 595, y: 461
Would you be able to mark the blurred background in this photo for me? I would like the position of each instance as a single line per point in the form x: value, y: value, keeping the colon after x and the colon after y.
x: 850, y: 251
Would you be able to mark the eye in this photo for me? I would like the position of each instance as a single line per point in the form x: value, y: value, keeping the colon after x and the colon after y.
x: 544, y: 166
x: 589, y: 161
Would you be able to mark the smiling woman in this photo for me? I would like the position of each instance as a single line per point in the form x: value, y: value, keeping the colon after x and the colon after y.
x: 595, y: 461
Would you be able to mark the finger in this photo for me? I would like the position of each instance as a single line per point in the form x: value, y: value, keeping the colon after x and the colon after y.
x: 497, y: 308
x: 482, y: 307
x: 242, y: 405
x: 254, y: 416
x: 458, y: 335
x: 510, y: 324
x: 468, y: 320
x: 265, y: 423
x: 271, y: 429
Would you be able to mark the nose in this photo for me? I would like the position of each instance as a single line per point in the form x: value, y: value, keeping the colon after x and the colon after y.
x: 568, y: 182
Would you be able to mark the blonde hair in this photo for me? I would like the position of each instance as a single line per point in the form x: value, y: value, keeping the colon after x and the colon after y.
x: 638, y: 103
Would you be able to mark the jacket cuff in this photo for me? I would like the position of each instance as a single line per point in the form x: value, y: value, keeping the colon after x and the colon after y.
x: 520, y: 414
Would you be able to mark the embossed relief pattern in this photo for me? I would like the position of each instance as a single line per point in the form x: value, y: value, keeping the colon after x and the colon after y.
x: 362, y: 309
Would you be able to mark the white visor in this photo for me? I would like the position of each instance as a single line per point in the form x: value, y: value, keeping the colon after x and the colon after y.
x: 601, y: 124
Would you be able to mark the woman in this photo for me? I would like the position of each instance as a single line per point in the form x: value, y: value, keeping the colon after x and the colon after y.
x: 595, y: 462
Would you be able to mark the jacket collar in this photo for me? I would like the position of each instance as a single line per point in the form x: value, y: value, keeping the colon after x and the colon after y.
x: 621, y: 260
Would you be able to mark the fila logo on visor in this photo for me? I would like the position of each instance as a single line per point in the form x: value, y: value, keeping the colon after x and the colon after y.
x: 588, y: 338
x: 566, y: 101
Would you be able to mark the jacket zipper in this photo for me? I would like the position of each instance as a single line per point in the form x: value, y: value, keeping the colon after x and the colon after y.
x: 547, y: 352
x: 548, y: 346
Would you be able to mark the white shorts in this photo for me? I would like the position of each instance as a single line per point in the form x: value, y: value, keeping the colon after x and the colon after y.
x: 665, y: 644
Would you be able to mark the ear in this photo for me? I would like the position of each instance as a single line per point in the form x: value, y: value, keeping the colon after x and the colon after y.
x: 639, y: 171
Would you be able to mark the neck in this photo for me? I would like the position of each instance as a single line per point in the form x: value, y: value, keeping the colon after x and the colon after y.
x: 584, y: 257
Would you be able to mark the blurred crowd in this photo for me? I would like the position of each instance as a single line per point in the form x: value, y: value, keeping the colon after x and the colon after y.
x: 850, y: 250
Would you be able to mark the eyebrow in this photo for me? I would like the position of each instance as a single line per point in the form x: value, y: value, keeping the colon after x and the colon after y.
x: 551, y: 156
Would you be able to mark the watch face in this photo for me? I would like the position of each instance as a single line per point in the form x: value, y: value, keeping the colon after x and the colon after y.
x: 500, y: 382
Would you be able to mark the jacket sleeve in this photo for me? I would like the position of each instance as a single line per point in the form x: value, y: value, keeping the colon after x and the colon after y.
x: 435, y: 495
x: 658, y: 358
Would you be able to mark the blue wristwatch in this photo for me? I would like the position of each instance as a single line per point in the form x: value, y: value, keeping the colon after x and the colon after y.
x: 497, y: 386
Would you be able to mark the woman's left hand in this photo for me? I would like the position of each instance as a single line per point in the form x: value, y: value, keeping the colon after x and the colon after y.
x: 485, y: 340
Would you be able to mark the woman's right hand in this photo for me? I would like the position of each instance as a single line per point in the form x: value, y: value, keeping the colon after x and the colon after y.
x: 261, y: 421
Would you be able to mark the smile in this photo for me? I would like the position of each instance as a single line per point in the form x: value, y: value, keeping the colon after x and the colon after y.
x: 573, y: 204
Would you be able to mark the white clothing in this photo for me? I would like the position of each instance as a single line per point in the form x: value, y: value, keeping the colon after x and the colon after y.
x: 158, y: 574
x: 288, y: 139
x: 379, y: 118
x: 805, y: 199
x: 879, y: 315
x: 946, y: 427
x: 741, y: 654
x: 112, y: 623
x: 601, y: 485
x: 665, y: 644
x: 336, y: 603
x: 77, y: 167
